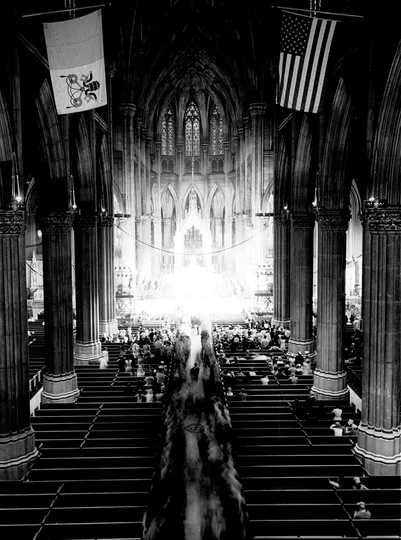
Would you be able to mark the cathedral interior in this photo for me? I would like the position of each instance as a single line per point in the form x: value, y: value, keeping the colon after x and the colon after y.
x: 183, y: 241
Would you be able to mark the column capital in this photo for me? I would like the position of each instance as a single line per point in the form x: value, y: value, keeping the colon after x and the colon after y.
x: 86, y: 221
x: 57, y: 221
x: 245, y: 121
x: 383, y: 220
x: 334, y: 219
x: 128, y: 109
x: 303, y: 220
x: 106, y: 221
x: 257, y: 109
x: 281, y: 217
x: 12, y: 223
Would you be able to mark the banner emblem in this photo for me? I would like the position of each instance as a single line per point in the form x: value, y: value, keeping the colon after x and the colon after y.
x: 86, y: 89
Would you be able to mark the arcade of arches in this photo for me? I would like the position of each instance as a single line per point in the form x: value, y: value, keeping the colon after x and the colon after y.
x: 192, y: 191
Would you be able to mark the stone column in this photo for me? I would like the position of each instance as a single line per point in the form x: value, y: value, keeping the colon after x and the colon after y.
x: 237, y: 157
x: 257, y: 111
x: 248, y: 177
x: 139, y: 200
x: 87, y: 346
x: 59, y: 379
x: 204, y: 158
x: 301, y: 256
x: 241, y: 172
x: 379, y: 434
x: 107, y: 316
x: 329, y: 376
x: 281, y: 273
x: 130, y: 190
x: 17, y: 440
x: 157, y: 222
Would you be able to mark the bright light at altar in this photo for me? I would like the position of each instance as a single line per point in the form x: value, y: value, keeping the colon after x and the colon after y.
x: 204, y: 271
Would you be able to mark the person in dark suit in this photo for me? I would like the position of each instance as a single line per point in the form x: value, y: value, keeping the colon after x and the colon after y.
x: 194, y: 372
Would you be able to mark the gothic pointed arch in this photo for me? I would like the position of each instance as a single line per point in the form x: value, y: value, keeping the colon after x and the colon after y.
x: 217, y: 214
x: 192, y: 129
x: 334, y: 178
x: 302, y: 188
x: 386, y: 157
x: 83, y: 174
x: 5, y: 131
x: 105, y: 177
x: 55, y: 178
x: 190, y: 192
x: 50, y: 132
x: 218, y: 204
x: 168, y: 132
x: 167, y: 204
x: 6, y: 155
x: 281, y: 177
x: 216, y: 132
x: 168, y: 217
x: 267, y: 201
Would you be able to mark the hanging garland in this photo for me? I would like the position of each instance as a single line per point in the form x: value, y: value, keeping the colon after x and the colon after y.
x: 168, y: 251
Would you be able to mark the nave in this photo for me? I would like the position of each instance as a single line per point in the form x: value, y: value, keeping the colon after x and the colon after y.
x: 99, y: 465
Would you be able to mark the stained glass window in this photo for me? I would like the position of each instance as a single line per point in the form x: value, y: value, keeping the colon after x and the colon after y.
x: 216, y: 133
x: 168, y: 134
x: 192, y: 130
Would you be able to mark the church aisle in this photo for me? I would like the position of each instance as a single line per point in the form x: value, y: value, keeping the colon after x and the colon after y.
x: 196, y: 494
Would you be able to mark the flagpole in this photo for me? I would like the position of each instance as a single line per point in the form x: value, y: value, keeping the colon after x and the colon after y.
x: 289, y: 8
x: 67, y: 10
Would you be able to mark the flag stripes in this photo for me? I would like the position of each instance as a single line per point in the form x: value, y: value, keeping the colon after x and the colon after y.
x: 304, y: 53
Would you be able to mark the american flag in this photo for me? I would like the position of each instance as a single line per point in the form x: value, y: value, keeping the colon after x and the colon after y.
x: 304, y: 50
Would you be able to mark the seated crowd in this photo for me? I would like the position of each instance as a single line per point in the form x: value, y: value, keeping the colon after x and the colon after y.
x: 140, y: 350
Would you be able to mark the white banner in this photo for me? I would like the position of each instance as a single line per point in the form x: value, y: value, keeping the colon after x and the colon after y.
x: 76, y: 62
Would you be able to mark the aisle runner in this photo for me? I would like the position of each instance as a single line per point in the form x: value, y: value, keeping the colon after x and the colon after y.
x: 195, y: 492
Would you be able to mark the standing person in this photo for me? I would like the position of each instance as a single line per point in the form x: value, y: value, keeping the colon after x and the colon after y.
x: 121, y: 364
x: 194, y: 372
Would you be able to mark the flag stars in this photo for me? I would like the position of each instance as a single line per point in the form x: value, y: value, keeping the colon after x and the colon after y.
x: 295, y: 33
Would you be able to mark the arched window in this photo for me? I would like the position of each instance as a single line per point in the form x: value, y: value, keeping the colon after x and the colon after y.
x: 216, y: 133
x: 192, y: 130
x: 168, y: 134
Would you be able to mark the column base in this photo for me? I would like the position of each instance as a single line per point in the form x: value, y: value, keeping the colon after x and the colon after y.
x: 379, y: 450
x: 305, y: 347
x: 16, y: 454
x: 285, y: 323
x: 88, y: 354
x: 108, y: 327
x: 60, y: 388
x: 330, y: 385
